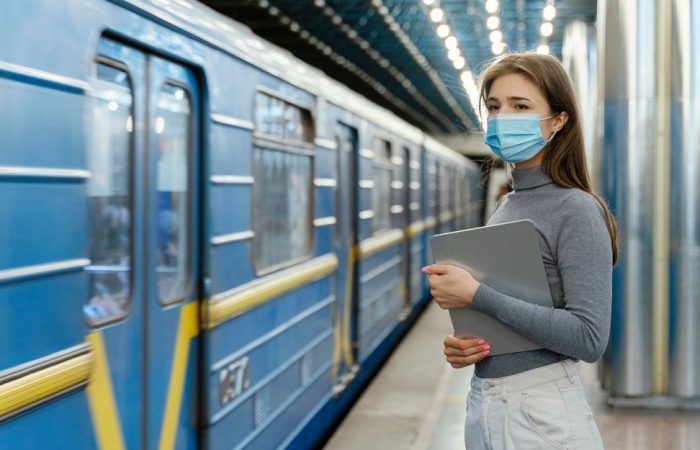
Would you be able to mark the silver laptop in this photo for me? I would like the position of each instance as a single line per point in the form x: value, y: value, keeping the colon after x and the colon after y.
x: 507, y: 258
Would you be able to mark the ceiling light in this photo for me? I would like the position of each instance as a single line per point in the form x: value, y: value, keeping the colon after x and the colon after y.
x: 436, y: 14
x: 453, y: 53
x: 496, y: 36
x: 543, y: 49
x: 549, y: 12
x: 443, y: 30
x: 498, y: 48
x: 459, y: 62
x: 546, y: 29
x: 428, y: 2
x: 493, y: 22
x: 467, y: 77
x: 491, y: 6
x: 451, y: 42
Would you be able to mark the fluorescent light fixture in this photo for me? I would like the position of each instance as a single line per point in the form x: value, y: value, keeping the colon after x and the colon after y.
x: 437, y: 14
x: 443, y: 30
x: 546, y: 29
x: 451, y: 42
x: 453, y: 53
x: 459, y: 62
x: 497, y: 48
x: 496, y: 36
x: 493, y: 22
x: 543, y: 49
x: 491, y: 6
x: 549, y: 12
x: 467, y: 77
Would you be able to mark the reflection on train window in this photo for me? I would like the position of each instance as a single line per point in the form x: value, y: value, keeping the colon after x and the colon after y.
x: 283, y: 120
x: 109, y: 189
x: 282, y: 212
x: 381, y: 194
x: 173, y: 258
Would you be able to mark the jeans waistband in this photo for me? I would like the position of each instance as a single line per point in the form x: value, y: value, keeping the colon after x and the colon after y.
x: 529, y: 378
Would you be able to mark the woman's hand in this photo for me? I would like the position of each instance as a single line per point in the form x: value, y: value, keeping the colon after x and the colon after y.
x: 451, y: 286
x: 465, y: 352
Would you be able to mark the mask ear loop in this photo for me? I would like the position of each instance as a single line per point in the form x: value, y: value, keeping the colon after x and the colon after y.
x: 555, y: 131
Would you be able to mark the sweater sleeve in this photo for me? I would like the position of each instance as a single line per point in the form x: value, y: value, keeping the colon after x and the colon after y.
x: 584, y: 260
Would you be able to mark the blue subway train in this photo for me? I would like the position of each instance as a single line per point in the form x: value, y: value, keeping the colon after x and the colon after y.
x: 206, y: 242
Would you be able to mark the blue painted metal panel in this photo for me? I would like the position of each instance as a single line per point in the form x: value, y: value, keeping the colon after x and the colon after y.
x: 230, y: 213
x: 324, y: 240
x: 39, y: 126
x: 230, y: 151
x: 39, y: 317
x: 296, y: 410
x: 325, y: 201
x: 37, y: 213
x: 61, y: 424
x: 245, y: 328
x: 224, y: 276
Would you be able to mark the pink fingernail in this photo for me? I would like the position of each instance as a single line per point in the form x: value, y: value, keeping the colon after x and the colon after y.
x: 487, y: 352
x: 488, y: 347
x: 425, y: 269
x: 481, y: 341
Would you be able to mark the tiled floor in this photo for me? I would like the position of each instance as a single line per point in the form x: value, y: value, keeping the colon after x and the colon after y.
x: 417, y: 402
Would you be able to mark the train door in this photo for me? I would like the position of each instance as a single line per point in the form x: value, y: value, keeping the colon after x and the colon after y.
x: 405, y: 225
x: 346, y: 249
x: 142, y: 392
x: 172, y: 256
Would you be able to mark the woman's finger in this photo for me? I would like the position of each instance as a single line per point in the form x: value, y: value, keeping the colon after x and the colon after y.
x: 451, y: 351
x: 453, y: 341
x: 468, y: 360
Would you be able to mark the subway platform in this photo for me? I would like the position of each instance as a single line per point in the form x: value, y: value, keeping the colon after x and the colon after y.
x: 417, y: 402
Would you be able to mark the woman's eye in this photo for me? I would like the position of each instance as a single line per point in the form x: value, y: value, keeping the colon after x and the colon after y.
x: 492, y: 108
x: 520, y: 107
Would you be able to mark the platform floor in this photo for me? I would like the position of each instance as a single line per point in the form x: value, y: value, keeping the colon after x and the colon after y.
x: 417, y: 402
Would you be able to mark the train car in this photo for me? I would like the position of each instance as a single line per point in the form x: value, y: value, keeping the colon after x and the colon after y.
x: 208, y: 243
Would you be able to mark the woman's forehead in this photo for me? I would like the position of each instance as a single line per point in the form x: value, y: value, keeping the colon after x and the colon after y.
x: 516, y: 86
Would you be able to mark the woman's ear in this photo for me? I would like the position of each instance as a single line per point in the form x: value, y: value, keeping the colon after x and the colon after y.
x: 560, y: 120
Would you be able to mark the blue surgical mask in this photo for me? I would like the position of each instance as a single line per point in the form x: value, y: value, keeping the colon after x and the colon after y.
x: 515, y: 137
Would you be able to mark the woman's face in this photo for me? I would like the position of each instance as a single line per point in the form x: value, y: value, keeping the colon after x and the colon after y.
x: 515, y: 94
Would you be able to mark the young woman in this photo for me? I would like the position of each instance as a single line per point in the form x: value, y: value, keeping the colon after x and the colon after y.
x: 534, y: 399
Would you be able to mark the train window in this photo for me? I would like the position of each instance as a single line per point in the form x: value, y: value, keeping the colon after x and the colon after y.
x: 173, y: 250
x: 381, y: 194
x: 283, y: 120
x: 110, y: 196
x: 282, y: 213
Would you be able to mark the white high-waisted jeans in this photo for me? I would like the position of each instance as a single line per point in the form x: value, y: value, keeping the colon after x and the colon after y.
x: 539, y: 409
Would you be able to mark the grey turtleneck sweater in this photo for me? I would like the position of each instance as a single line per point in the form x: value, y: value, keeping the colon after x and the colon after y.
x: 577, y: 255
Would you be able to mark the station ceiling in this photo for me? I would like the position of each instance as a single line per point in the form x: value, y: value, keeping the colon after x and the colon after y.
x: 390, y: 51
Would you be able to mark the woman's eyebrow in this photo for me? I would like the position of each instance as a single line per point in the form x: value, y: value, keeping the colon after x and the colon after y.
x: 517, y: 98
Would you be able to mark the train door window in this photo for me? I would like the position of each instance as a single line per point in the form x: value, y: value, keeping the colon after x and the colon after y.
x: 444, y: 189
x: 173, y: 131
x: 381, y: 194
x: 432, y: 187
x: 110, y: 195
x: 283, y: 189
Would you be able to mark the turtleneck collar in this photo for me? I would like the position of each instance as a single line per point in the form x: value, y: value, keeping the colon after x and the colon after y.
x: 529, y: 178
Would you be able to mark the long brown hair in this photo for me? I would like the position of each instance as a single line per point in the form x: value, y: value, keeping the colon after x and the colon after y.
x: 564, y: 158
